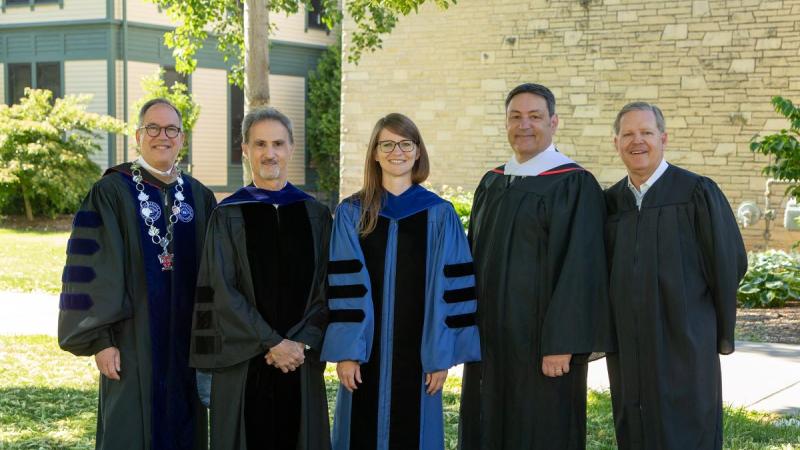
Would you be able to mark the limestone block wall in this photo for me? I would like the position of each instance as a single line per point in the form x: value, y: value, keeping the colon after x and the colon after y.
x: 711, y: 65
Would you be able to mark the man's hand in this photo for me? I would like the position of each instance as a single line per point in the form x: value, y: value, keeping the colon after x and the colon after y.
x: 555, y: 365
x: 435, y: 381
x: 349, y: 373
x: 287, y: 356
x: 108, y: 362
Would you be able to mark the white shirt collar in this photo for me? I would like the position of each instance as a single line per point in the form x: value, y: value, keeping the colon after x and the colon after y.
x: 544, y: 161
x: 662, y: 167
x: 153, y: 170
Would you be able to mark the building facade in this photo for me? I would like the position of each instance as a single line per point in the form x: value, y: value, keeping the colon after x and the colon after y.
x: 711, y: 65
x: 105, y: 47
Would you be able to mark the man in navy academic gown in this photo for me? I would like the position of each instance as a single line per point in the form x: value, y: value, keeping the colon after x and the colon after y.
x: 128, y: 291
x: 260, y: 311
x: 676, y: 259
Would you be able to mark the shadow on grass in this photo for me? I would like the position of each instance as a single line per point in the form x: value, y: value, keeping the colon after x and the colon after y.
x: 47, y: 418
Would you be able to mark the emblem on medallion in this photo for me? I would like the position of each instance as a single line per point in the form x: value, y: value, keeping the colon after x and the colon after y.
x: 186, y: 213
x: 150, y: 210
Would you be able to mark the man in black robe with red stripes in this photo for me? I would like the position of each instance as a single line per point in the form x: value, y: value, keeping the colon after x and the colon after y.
x: 536, y: 232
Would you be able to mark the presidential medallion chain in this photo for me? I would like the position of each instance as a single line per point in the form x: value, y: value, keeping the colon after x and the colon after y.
x: 166, y: 259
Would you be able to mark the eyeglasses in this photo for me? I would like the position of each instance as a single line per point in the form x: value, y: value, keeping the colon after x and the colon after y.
x: 154, y: 130
x: 405, y: 145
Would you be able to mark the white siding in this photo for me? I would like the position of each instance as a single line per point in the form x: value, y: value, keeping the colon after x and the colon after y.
x: 288, y: 94
x: 136, y: 71
x: 2, y: 83
x: 90, y: 77
x: 146, y: 12
x: 293, y: 29
x: 210, y: 135
x: 73, y: 10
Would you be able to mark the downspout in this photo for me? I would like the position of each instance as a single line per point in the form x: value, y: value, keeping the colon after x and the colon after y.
x: 125, y: 73
x: 769, y: 213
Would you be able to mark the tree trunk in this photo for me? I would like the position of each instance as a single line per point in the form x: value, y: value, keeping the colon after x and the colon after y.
x: 256, y: 62
x: 27, y: 201
x: 256, y: 53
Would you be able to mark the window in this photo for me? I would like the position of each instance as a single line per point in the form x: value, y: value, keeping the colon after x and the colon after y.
x: 315, y: 16
x: 20, y: 76
x: 171, y: 76
x: 30, y: 2
x: 43, y: 75
x: 237, y: 116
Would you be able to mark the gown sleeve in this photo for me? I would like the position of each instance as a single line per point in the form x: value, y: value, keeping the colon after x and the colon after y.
x: 351, y: 313
x: 93, y: 294
x: 578, y: 318
x: 226, y: 328
x: 724, y: 256
x: 316, y: 315
x: 450, y: 333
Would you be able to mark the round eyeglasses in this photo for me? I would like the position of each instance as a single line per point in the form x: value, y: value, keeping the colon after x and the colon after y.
x: 154, y: 130
x: 405, y: 145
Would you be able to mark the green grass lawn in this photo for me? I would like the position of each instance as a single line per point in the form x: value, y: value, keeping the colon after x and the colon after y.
x: 48, y: 400
x: 32, y: 260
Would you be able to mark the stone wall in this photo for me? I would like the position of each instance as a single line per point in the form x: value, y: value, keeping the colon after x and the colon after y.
x: 712, y: 66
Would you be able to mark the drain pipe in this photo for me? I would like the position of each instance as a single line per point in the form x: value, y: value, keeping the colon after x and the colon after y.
x: 769, y: 213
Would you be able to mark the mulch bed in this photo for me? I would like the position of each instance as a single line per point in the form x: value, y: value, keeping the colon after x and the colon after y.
x: 59, y: 223
x: 777, y: 325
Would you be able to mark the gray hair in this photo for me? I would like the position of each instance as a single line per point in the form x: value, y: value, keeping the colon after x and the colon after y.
x: 641, y: 106
x: 158, y: 101
x: 261, y: 114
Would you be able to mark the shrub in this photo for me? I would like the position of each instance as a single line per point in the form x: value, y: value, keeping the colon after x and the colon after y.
x: 322, y: 126
x: 460, y: 198
x: 44, y: 152
x: 772, y: 278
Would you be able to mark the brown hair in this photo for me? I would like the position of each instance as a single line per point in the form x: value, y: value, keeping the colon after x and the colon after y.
x: 371, y: 194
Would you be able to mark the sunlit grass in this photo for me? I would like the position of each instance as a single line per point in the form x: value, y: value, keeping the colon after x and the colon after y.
x: 32, y: 260
x: 48, y: 400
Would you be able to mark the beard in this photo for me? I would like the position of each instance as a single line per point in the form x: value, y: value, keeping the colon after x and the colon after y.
x: 269, y: 171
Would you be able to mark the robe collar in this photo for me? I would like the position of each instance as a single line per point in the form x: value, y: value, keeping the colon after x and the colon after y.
x: 251, y: 194
x: 549, y: 158
x: 147, y: 177
x: 413, y: 200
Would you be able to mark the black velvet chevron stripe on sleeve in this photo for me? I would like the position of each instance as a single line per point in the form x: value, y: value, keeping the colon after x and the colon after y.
x: 460, y: 320
x: 459, y: 270
x: 206, y: 345
x: 344, y: 266
x: 347, y: 291
x: 78, y: 246
x: 87, y: 219
x: 78, y: 274
x: 204, y: 320
x: 460, y: 295
x: 204, y: 294
x: 346, y: 315
x: 75, y: 302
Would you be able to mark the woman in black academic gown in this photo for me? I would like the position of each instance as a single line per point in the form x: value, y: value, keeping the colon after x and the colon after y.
x: 401, y: 298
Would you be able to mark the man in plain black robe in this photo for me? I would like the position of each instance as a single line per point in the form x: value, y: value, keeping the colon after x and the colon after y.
x: 260, y: 311
x: 536, y: 234
x: 676, y: 259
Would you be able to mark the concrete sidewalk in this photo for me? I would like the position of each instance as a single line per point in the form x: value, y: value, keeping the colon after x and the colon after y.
x: 757, y: 376
x: 763, y: 377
